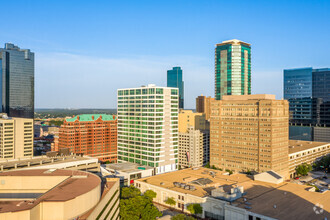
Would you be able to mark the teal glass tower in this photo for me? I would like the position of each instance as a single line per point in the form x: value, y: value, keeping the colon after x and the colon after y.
x: 174, y: 79
x: 232, y: 68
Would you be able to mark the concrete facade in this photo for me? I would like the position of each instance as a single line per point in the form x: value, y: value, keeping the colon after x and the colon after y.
x: 16, y: 136
x: 250, y: 133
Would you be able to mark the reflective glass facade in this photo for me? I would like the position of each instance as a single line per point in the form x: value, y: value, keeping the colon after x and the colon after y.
x: 174, y: 79
x: 17, y: 81
x: 232, y: 68
x: 308, y: 92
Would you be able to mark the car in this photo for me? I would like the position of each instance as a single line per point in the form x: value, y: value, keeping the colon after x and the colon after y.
x: 296, y: 178
x: 324, y: 177
x: 302, y: 181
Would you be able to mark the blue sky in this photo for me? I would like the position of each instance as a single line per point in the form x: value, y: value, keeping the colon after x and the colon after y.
x: 86, y: 50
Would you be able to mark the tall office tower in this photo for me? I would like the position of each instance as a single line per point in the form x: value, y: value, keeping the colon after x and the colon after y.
x: 232, y: 68
x: 250, y: 133
x: 194, y: 139
x: 16, y: 135
x: 174, y: 79
x: 148, y: 126
x: 17, y: 74
x: 94, y: 135
x: 203, y: 105
x: 308, y: 93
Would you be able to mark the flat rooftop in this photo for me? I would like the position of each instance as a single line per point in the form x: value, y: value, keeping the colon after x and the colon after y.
x: 35, y: 161
x: 128, y: 167
x: 248, y: 97
x: 297, y: 145
x: 292, y: 201
x: 68, y: 185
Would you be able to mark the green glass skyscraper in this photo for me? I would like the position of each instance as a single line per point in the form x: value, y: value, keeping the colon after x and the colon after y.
x: 174, y: 79
x: 232, y: 68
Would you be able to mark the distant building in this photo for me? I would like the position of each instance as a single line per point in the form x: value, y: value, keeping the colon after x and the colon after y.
x: 57, y: 194
x: 175, y: 79
x: 17, y: 137
x: 91, y: 134
x: 308, y: 93
x: 17, y: 74
x: 232, y: 68
x: 148, y: 127
x: 203, y: 105
x: 250, y: 133
x: 194, y: 139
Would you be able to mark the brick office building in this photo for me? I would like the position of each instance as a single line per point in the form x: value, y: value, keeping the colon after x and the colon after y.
x: 91, y: 134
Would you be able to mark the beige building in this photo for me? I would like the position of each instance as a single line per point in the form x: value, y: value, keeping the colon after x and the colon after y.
x: 16, y: 137
x: 305, y: 152
x: 203, y: 105
x: 194, y: 139
x: 236, y: 196
x: 250, y: 133
x: 57, y: 194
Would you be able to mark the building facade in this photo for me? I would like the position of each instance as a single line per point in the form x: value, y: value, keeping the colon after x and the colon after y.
x: 17, y: 81
x: 194, y: 139
x: 232, y: 68
x: 148, y: 127
x: 250, y: 133
x: 305, y: 152
x: 175, y: 79
x: 94, y: 135
x: 203, y: 105
x: 16, y: 137
x: 308, y: 93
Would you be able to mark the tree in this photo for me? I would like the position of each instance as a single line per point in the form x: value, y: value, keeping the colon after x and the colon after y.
x: 303, y: 169
x: 207, y: 165
x: 195, y: 208
x: 150, y: 194
x: 130, y: 192
x: 170, y: 201
x: 134, y: 206
x: 323, y: 164
x: 182, y: 217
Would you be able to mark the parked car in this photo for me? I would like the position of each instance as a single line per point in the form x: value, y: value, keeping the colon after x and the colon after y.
x: 296, y: 178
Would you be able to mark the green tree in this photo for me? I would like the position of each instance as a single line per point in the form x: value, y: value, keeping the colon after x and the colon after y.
x: 207, y: 165
x: 303, y: 169
x: 130, y: 192
x: 195, y: 208
x: 182, y: 217
x: 170, y: 201
x: 150, y: 194
x: 134, y: 206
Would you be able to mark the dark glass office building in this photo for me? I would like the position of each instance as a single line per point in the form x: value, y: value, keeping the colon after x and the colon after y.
x: 174, y: 79
x: 17, y: 81
x: 308, y: 92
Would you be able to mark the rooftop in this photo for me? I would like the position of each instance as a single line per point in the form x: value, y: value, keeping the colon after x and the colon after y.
x: 297, y: 145
x: 127, y: 167
x: 260, y: 196
x: 62, y: 185
x: 234, y: 42
x: 92, y: 117
x: 248, y: 97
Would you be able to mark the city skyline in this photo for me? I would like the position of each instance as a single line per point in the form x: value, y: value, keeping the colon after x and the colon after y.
x: 114, y: 47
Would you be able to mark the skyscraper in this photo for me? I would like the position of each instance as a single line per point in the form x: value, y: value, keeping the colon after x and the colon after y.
x: 232, y: 68
x: 148, y: 127
x: 174, y: 79
x: 250, y: 133
x: 17, y: 81
x: 308, y: 92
